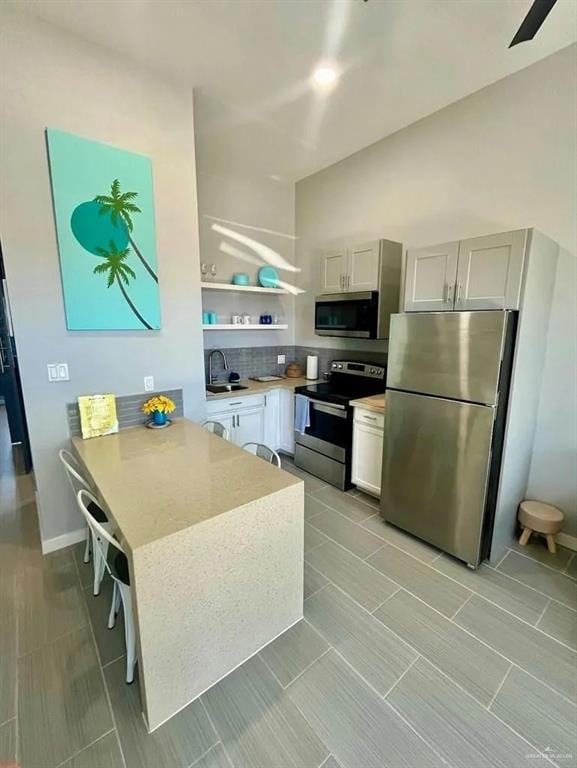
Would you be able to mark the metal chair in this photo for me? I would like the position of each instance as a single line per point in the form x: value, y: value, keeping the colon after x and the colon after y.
x: 217, y: 429
x: 78, y: 482
x: 117, y: 567
x: 263, y: 452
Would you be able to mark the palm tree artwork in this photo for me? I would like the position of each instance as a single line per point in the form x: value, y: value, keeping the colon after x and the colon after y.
x: 120, y: 205
x: 103, y: 202
x: 119, y: 273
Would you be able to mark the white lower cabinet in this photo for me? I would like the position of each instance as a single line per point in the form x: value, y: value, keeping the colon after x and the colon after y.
x: 368, y: 431
x: 287, y: 421
x: 244, y: 417
x: 249, y: 426
x: 272, y: 419
x: 267, y: 419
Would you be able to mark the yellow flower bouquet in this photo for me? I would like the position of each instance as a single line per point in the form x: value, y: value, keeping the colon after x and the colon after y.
x: 158, y: 407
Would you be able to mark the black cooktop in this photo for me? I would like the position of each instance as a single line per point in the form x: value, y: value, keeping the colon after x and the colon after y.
x: 347, y: 381
x: 325, y: 392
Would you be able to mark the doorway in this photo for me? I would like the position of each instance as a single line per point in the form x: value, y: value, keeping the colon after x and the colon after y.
x: 14, y: 442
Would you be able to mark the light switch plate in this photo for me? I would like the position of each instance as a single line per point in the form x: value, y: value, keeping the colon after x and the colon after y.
x: 280, y: 359
x: 58, y: 372
x: 149, y: 383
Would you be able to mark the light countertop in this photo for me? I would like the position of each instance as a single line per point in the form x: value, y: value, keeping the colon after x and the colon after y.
x: 374, y: 403
x: 158, y: 482
x: 258, y: 387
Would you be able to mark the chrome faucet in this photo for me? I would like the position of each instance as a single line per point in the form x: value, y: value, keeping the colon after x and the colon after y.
x: 212, y: 379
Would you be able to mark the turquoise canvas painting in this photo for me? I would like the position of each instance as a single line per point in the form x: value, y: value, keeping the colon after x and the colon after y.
x: 104, y: 210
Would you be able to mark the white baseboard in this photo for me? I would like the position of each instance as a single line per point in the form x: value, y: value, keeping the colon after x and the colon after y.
x: 565, y: 540
x: 66, y: 540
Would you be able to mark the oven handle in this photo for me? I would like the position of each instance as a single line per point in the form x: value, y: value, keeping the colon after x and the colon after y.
x: 332, y: 409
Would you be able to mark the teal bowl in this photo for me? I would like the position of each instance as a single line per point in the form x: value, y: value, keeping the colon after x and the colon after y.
x: 240, y: 278
x: 268, y: 277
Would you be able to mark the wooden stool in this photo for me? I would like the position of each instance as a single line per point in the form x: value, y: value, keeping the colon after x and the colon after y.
x: 538, y: 517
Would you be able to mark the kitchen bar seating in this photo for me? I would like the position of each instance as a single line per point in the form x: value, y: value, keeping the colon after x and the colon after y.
x: 77, y: 483
x: 216, y: 428
x: 117, y: 566
x: 263, y: 452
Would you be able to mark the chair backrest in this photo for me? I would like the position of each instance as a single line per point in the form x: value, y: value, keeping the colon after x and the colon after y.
x: 263, y: 452
x: 84, y: 499
x: 216, y: 428
x: 73, y: 472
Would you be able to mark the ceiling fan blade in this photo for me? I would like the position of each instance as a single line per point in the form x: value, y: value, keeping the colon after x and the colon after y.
x: 531, y: 24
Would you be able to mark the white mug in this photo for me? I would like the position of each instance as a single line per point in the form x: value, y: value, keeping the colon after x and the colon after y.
x: 236, y: 320
x: 246, y: 319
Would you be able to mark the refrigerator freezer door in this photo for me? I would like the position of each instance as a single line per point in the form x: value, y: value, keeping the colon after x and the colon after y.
x: 435, y: 470
x: 448, y: 354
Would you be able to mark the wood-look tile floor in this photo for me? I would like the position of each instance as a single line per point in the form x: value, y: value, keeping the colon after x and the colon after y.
x: 405, y: 658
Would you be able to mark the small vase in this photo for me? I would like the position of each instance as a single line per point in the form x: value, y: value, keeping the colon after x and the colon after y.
x: 159, y: 418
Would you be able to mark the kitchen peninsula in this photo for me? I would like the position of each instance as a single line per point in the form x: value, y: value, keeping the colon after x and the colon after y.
x: 214, y: 538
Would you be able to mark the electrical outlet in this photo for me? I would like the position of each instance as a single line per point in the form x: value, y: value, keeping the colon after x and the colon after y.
x: 280, y: 359
x: 58, y: 372
x: 149, y: 383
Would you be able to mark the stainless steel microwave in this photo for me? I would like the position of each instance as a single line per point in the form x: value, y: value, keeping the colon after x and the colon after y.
x: 361, y: 314
x: 348, y: 314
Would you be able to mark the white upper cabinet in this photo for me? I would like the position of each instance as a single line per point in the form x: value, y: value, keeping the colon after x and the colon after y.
x: 480, y: 273
x: 333, y: 271
x: 430, y: 278
x: 490, y: 271
x: 363, y: 267
x: 351, y: 269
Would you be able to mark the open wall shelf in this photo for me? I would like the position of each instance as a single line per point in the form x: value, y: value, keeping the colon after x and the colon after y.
x: 242, y: 327
x: 242, y: 288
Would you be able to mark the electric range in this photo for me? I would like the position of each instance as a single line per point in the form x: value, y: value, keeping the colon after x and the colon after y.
x: 324, y: 449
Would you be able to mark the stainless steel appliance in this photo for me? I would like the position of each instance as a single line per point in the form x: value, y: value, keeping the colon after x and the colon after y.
x: 348, y: 314
x: 368, y: 295
x: 325, y: 447
x: 447, y: 388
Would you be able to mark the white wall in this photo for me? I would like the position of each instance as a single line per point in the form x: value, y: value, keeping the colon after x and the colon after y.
x: 50, y: 79
x: 259, y: 201
x: 503, y: 158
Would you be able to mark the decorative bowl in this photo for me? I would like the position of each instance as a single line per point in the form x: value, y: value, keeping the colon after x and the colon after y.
x: 268, y: 277
x: 240, y: 278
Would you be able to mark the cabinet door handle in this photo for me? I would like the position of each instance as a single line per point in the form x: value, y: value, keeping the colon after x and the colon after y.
x: 238, y: 402
x: 449, y: 292
x: 458, y: 297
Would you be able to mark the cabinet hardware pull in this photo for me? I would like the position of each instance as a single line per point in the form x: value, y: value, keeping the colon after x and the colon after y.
x: 458, y: 292
x: 449, y: 292
x: 238, y: 402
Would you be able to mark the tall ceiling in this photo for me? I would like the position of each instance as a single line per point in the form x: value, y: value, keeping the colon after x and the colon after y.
x: 250, y: 62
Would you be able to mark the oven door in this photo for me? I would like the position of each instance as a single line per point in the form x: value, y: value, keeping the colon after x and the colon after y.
x: 330, y: 431
x: 347, y: 314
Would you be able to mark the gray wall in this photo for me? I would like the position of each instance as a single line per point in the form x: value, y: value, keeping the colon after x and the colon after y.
x: 503, y: 158
x: 240, y: 194
x: 51, y: 79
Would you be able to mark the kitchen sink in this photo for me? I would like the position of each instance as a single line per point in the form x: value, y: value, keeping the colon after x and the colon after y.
x: 217, y: 388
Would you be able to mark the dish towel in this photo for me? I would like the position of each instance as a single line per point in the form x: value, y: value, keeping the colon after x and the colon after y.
x: 302, y: 413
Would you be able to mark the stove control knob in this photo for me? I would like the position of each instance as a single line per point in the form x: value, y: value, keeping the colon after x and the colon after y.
x: 372, y: 370
x: 339, y: 365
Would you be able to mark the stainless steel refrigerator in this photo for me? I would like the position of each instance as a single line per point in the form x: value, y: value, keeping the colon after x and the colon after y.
x: 447, y: 386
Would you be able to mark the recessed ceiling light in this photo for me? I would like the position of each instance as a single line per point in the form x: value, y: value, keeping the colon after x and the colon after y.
x: 325, y: 76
